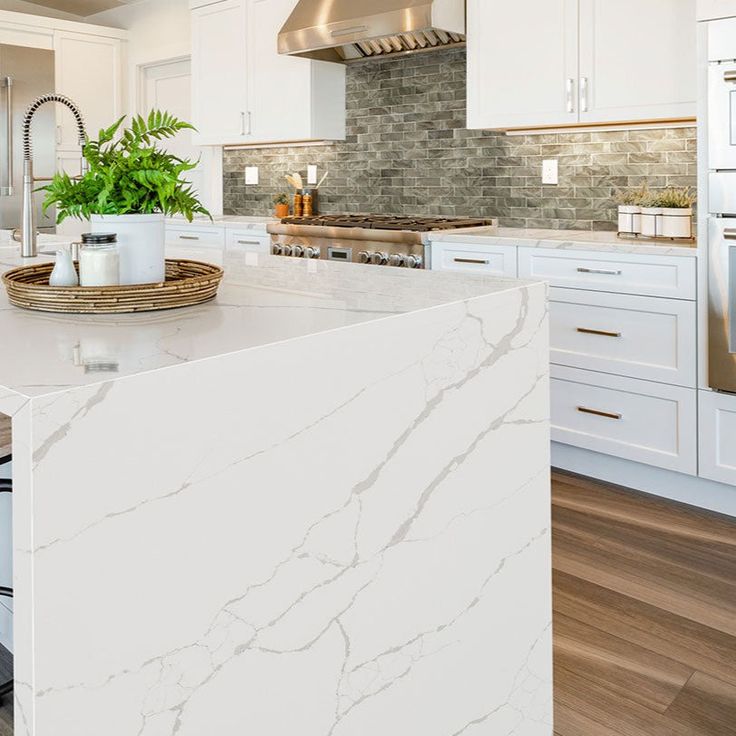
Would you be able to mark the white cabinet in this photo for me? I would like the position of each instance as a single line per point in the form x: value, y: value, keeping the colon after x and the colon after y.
x: 89, y: 71
x: 622, y: 273
x: 245, y: 93
x: 646, y: 422
x: 718, y: 437
x: 635, y: 336
x: 650, y: 41
x: 208, y: 236
x: 522, y: 63
x: 250, y: 239
x: 551, y: 63
x: 220, y: 73
x: 490, y: 260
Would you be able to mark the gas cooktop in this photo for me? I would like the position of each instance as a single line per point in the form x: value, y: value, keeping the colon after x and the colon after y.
x: 389, y: 222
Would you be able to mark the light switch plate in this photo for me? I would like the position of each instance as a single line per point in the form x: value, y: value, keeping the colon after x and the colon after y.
x: 251, y: 175
x: 550, y: 171
x: 311, y: 174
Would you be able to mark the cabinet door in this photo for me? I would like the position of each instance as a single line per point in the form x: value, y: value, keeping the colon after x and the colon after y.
x: 279, y: 86
x: 89, y: 71
x: 637, y: 60
x: 717, y: 433
x: 219, y: 73
x: 522, y: 63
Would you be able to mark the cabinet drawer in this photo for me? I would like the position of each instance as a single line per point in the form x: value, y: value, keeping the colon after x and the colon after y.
x: 249, y: 240
x: 207, y: 236
x: 635, y: 336
x: 636, y: 420
x: 718, y: 437
x: 625, y: 273
x: 497, y: 260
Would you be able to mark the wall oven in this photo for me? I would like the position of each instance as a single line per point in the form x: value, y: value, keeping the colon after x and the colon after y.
x: 722, y: 206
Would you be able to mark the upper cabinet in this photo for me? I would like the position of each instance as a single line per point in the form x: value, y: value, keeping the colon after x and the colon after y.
x: 245, y: 93
x: 555, y: 63
x: 88, y: 71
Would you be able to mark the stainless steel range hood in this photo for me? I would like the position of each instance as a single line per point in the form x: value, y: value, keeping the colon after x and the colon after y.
x: 351, y: 30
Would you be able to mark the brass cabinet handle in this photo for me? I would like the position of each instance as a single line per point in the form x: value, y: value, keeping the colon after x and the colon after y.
x: 597, y: 413
x: 602, y: 333
x: 729, y: 233
x: 599, y: 271
x: 729, y: 76
x: 479, y: 261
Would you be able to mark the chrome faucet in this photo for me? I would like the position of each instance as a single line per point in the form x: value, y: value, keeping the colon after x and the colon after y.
x: 28, y: 243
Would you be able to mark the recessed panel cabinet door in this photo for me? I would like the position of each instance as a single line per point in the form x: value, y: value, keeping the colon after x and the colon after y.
x: 522, y: 63
x: 637, y: 60
x: 89, y: 71
x: 219, y: 73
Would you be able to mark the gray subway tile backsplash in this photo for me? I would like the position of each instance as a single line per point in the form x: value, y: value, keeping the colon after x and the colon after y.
x: 408, y: 152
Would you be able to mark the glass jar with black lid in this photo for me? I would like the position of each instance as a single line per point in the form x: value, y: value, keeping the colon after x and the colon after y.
x: 99, y: 260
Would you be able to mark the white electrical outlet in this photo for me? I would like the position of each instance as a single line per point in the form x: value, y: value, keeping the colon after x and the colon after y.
x: 251, y: 175
x: 311, y: 174
x: 550, y: 171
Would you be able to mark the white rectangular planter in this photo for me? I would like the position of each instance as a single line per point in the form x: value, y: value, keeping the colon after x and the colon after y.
x: 676, y: 223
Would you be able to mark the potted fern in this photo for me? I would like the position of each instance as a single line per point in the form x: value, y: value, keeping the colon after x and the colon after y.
x: 131, y: 187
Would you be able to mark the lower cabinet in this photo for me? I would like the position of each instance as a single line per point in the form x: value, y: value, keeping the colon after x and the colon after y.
x: 200, y: 235
x: 490, y: 260
x: 718, y: 437
x: 249, y: 239
x: 636, y: 420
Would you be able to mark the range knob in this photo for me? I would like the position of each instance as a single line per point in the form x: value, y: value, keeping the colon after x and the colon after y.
x: 397, y: 259
x: 379, y: 259
x: 364, y: 256
x: 414, y: 261
x: 297, y: 251
x: 277, y: 250
x: 311, y: 252
x: 286, y: 250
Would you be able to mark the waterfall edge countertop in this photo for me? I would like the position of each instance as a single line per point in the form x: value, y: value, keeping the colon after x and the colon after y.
x: 584, y: 240
x: 319, y: 505
x: 262, y: 300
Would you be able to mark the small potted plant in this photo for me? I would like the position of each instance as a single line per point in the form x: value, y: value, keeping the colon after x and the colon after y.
x: 677, y: 212
x: 651, y: 215
x: 629, y: 210
x: 131, y: 187
x: 282, y: 205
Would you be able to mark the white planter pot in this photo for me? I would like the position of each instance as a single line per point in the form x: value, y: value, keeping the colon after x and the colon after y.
x: 142, y: 242
x: 629, y: 219
x: 677, y: 223
x: 651, y: 221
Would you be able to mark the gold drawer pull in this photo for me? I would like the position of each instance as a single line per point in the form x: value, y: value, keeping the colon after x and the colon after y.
x: 599, y: 271
x: 729, y: 233
x: 478, y: 261
x: 602, y: 333
x: 729, y: 76
x: 596, y: 413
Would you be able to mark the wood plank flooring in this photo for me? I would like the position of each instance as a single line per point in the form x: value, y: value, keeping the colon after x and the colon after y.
x: 645, y: 615
x: 5, y: 439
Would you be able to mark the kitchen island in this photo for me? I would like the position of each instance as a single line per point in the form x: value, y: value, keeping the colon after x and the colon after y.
x: 317, y: 506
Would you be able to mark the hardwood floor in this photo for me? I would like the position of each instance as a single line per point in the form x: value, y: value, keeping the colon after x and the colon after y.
x: 645, y: 616
x: 5, y: 439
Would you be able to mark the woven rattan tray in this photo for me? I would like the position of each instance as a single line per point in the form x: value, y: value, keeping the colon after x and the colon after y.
x: 187, y: 283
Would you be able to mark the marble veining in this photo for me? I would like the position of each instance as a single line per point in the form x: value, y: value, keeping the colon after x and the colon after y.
x: 605, y: 242
x: 329, y: 535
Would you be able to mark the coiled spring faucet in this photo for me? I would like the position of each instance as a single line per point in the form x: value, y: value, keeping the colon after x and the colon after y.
x: 28, y: 242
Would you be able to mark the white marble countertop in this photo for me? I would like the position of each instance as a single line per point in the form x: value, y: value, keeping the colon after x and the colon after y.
x: 567, y: 240
x: 263, y: 300
x: 227, y: 221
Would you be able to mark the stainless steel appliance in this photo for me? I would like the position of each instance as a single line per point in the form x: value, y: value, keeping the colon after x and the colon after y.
x: 722, y: 214
x: 381, y: 240
x: 24, y: 75
x: 349, y: 30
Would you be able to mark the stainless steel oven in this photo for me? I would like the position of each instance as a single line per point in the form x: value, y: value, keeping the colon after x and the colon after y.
x: 722, y: 302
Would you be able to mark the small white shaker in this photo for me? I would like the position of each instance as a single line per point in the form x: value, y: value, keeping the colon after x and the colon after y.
x: 64, y: 273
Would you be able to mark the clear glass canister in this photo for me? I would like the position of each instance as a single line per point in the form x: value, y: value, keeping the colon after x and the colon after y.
x: 99, y: 260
